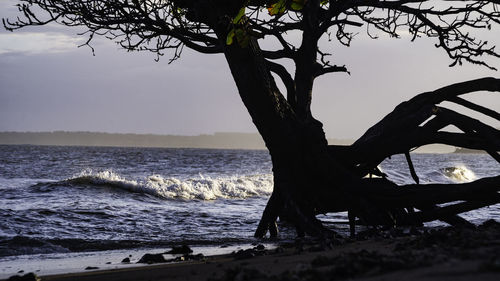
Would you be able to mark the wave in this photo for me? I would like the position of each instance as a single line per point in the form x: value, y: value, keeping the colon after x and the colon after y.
x: 20, y: 245
x: 223, y: 187
x: 201, y: 188
x: 459, y: 174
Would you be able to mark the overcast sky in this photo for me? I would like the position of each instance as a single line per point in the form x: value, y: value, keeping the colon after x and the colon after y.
x: 47, y: 84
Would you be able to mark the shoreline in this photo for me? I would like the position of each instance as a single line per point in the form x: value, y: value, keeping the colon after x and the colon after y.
x: 77, y: 262
x: 412, y: 254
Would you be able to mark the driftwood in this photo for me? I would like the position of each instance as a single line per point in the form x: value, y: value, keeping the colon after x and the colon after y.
x: 378, y: 201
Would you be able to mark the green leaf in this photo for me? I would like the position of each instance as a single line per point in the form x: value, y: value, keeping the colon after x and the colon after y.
x: 238, y: 17
x: 277, y: 8
x: 242, y: 37
x: 296, y: 6
x: 230, y: 36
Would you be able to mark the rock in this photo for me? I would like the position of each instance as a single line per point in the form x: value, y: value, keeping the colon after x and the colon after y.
x: 260, y: 247
x: 91, y: 268
x: 126, y: 260
x: 188, y: 257
x: 182, y: 258
x: 27, y: 277
x: 491, y: 223
x: 197, y: 257
x: 152, y: 258
x: 180, y: 250
x: 244, y: 254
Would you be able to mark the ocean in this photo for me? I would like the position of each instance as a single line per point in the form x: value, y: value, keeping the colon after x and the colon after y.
x: 64, y: 208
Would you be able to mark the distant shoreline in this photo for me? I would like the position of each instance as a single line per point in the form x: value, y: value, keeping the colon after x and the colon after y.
x: 63, y: 138
x: 220, y: 140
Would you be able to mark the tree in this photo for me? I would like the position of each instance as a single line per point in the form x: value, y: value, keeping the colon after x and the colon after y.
x: 311, y: 177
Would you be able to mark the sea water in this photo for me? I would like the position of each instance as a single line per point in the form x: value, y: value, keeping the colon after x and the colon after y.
x: 63, y: 203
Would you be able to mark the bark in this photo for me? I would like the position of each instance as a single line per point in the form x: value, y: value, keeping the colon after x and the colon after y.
x: 297, y: 146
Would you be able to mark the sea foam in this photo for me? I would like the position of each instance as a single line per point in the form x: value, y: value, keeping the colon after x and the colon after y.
x: 459, y: 174
x: 199, y: 188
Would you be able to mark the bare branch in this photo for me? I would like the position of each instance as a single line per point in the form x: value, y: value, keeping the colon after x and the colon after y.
x: 330, y: 69
x: 451, y: 25
x: 286, y: 78
x: 478, y: 108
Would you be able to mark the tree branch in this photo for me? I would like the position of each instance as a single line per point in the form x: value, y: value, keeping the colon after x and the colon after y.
x: 287, y: 79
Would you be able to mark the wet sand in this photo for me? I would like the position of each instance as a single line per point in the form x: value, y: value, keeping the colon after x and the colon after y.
x: 401, y: 254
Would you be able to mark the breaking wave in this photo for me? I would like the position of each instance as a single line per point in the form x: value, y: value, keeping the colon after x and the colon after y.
x: 201, y: 188
x: 459, y: 174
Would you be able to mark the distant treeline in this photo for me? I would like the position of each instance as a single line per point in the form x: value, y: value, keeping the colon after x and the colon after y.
x: 217, y: 140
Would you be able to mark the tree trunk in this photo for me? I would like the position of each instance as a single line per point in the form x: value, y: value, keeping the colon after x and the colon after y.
x: 298, y: 146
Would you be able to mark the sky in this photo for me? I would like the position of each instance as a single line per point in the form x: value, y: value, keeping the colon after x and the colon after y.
x: 47, y: 83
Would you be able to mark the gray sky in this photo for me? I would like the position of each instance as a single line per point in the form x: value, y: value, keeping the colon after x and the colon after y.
x: 47, y: 84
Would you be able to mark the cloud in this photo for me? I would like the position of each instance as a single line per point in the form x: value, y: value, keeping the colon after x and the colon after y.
x: 37, y: 43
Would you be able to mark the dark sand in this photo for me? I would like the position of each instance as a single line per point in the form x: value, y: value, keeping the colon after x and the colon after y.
x: 417, y: 254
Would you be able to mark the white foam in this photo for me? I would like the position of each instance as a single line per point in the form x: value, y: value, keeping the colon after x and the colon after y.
x: 201, y: 188
x: 459, y: 174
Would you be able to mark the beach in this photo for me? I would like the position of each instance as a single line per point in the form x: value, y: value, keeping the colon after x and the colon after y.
x: 397, y: 254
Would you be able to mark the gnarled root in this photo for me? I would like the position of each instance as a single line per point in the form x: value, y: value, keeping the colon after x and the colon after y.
x: 377, y: 201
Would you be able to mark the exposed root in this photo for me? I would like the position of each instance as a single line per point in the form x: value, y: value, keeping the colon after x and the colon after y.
x: 378, y: 201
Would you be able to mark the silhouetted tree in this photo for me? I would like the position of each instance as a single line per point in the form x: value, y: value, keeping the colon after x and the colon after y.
x: 311, y: 177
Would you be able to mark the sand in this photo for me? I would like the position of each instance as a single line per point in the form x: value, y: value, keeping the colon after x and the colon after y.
x: 398, y: 254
